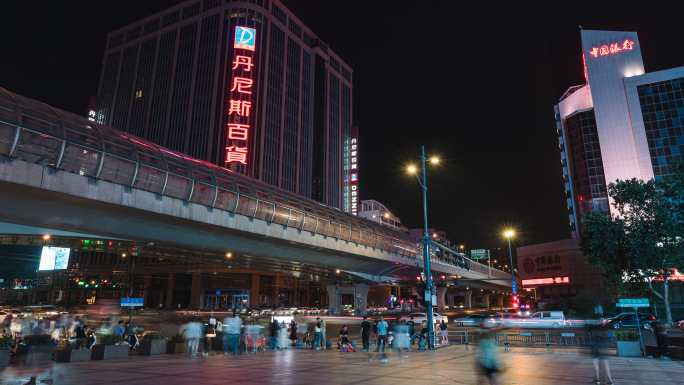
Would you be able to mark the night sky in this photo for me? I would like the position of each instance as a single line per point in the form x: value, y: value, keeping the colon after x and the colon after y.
x: 475, y: 82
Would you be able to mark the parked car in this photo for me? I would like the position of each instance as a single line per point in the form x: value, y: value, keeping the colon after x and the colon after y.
x: 420, y: 317
x: 476, y: 319
x: 545, y: 319
x: 628, y: 320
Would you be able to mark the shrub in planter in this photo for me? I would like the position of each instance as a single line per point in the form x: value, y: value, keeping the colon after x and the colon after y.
x: 110, y: 347
x: 152, y: 343
x: 76, y: 351
x: 176, y: 344
x: 6, y: 345
x: 628, y: 344
x: 37, y: 349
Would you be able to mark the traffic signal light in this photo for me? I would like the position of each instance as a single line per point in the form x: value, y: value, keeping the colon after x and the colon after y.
x: 444, y: 280
x: 515, y: 298
x: 455, y: 280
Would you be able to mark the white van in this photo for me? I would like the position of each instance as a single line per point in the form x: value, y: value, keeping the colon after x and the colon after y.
x: 546, y: 320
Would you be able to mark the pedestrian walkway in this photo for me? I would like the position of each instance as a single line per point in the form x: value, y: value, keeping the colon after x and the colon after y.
x: 330, y: 367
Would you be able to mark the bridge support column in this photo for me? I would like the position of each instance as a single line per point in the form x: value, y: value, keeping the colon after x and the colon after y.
x: 169, y: 291
x: 451, y: 296
x: 254, y: 291
x: 468, y: 299
x: 195, y: 291
x: 441, y: 292
x: 334, y: 300
x: 485, y: 301
x: 500, y: 301
x: 361, y: 307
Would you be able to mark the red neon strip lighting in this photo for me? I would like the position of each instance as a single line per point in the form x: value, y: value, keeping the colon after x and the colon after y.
x: 545, y: 281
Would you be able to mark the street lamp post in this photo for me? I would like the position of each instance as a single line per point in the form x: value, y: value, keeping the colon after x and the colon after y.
x: 509, y: 234
x: 425, y: 240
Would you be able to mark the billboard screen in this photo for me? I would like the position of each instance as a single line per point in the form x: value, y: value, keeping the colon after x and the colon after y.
x: 54, y: 258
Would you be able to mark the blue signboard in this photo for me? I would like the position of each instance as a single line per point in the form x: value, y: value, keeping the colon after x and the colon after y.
x: 245, y: 38
x: 132, y: 301
x: 514, y: 288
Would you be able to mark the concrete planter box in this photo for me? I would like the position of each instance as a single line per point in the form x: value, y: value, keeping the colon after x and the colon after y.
x: 173, y: 348
x: 152, y: 347
x: 80, y: 355
x: 217, y: 343
x: 4, y: 358
x: 628, y: 349
x: 38, y: 354
x: 109, y: 352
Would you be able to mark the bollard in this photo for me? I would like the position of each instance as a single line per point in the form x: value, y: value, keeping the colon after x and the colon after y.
x: 548, y: 344
x: 506, y: 342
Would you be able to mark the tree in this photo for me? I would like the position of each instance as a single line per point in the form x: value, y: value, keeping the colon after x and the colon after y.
x: 642, y: 241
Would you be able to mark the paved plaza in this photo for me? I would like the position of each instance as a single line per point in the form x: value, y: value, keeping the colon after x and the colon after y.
x: 449, y: 365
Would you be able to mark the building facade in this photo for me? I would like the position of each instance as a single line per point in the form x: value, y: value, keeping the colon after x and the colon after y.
x: 622, y: 123
x: 243, y: 85
x: 377, y: 212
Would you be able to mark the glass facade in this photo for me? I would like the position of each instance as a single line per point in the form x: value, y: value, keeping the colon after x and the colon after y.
x: 662, y: 108
x: 167, y: 79
x: 588, y: 178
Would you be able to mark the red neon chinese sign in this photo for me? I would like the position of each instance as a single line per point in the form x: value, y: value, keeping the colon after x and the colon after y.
x: 675, y: 276
x: 606, y: 49
x: 240, y: 105
x: 545, y: 281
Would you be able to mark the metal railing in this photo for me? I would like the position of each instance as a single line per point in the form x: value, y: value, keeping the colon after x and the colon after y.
x: 544, y: 339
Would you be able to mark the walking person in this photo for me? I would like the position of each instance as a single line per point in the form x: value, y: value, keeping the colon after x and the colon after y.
x: 660, y: 331
x: 412, y: 328
x: 382, y: 338
x: 233, y: 331
x: 375, y: 332
x: 282, y: 337
x: 445, y: 333
x: 487, y: 355
x: 275, y: 328
x: 191, y: 331
x: 365, y: 334
x: 597, y: 354
x: 317, y: 333
x: 293, y: 333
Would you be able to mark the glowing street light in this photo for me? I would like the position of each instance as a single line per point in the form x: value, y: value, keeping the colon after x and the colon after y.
x: 509, y: 234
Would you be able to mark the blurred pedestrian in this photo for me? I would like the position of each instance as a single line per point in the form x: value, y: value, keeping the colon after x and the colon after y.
x: 400, y: 339
x: 38, y: 329
x: 232, y: 328
x: 365, y: 334
x: 282, y: 336
x: 660, y: 331
x: 375, y: 332
x: 597, y: 354
x: 209, y: 332
x: 412, y: 328
x: 293, y: 332
x: 192, y: 331
x: 487, y: 355
x: 275, y: 328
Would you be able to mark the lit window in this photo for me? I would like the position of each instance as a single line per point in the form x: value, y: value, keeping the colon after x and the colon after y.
x: 138, y: 94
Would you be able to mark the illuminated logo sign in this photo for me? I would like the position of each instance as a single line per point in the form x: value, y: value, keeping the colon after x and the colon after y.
x: 604, y: 50
x: 353, y: 154
x: 240, y: 103
x: 245, y: 38
x: 545, y: 281
x: 528, y: 265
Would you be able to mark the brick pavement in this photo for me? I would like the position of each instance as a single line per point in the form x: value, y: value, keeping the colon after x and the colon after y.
x: 449, y: 365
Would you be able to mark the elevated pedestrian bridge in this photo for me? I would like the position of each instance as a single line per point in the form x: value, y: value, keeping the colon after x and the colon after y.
x: 63, y: 172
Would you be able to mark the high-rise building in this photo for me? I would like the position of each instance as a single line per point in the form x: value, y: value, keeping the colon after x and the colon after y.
x: 244, y: 85
x: 622, y: 123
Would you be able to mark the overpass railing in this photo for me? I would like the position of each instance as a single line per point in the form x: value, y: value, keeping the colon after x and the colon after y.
x: 37, y: 133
